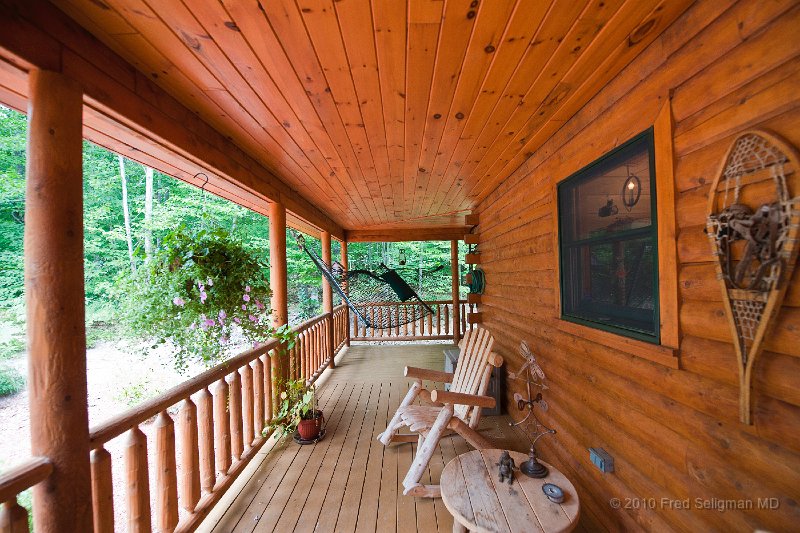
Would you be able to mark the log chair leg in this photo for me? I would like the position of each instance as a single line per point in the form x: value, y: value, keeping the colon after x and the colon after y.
x: 423, y: 457
x: 386, y: 437
x: 458, y: 527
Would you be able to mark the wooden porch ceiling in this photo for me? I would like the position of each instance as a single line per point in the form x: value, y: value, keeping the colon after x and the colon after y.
x: 384, y: 114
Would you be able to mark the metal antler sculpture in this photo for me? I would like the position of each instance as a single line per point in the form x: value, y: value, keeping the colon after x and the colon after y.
x: 534, y: 376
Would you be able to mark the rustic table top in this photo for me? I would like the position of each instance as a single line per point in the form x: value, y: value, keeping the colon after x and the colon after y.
x: 473, y: 494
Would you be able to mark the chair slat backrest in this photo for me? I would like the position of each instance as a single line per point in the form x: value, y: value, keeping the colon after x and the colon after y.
x: 468, y: 379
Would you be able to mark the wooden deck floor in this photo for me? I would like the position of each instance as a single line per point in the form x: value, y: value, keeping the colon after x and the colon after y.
x: 349, y: 481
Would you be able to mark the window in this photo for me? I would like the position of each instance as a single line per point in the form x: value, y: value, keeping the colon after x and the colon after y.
x: 608, y: 242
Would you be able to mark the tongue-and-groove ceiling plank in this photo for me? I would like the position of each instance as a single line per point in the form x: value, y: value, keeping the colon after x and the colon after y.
x: 383, y: 113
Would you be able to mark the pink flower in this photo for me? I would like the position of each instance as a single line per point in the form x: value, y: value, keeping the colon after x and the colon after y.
x: 223, y: 340
x: 210, y: 282
x: 253, y: 318
x: 209, y: 322
x: 193, y: 326
x: 247, y: 288
x: 246, y: 297
x: 223, y: 314
x: 237, y: 320
x: 178, y: 301
x: 244, y: 307
x: 259, y: 305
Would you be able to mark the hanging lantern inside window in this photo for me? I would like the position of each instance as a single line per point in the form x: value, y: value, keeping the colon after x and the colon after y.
x: 402, y: 258
x: 631, y: 192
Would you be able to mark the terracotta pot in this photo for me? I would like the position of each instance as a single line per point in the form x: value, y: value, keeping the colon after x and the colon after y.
x: 309, y: 429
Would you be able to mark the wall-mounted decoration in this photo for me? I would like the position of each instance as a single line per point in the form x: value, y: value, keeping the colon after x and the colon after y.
x: 631, y: 191
x: 754, y: 225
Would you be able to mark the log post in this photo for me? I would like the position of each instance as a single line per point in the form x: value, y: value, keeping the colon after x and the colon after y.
x: 277, y: 282
x: 343, y: 261
x: 54, y: 294
x: 455, y: 288
x: 327, y: 296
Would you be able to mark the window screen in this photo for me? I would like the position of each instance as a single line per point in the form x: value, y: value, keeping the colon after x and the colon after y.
x: 608, y: 244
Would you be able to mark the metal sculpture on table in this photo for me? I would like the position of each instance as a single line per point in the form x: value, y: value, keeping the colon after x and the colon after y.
x: 756, y: 247
x: 534, y: 377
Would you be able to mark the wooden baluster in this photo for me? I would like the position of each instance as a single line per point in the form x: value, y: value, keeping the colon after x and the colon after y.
x: 13, y: 517
x: 205, y: 428
x: 438, y: 319
x: 258, y: 394
x: 379, y: 312
x: 364, y: 326
x: 235, y: 410
x: 222, y: 430
x: 102, y: 491
x: 166, y: 474
x: 430, y: 324
x: 247, y: 404
x: 268, y: 410
x: 372, y: 320
x: 137, y: 482
x: 190, y: 456
x: 414, y: 322
x: 396, y: 318
x: 447, y: 320
x: 405, y: 319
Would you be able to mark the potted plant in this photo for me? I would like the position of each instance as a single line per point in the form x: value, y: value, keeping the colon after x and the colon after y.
x: 297, y: 412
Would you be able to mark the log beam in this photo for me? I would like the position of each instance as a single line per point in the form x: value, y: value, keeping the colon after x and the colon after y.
x: 427, y: 233
x: 54, y: 292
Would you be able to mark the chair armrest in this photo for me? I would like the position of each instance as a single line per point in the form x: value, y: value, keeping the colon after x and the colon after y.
x: 431, y: 375
x: 462, y: 399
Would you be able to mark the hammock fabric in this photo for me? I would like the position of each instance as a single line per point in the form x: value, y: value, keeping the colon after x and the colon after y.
x: 360, y: 289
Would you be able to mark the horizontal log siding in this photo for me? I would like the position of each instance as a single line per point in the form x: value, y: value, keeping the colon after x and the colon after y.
x: 673, y: 433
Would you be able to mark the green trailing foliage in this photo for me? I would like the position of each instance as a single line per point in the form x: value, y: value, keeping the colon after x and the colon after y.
x: 202, y: 291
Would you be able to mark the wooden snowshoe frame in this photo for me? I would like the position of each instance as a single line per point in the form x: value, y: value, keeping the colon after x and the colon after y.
x: 753, y: 225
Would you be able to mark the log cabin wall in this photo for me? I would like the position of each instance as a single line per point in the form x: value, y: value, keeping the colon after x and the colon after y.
x: 674, y: 433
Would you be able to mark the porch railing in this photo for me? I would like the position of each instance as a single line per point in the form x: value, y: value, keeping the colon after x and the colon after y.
x: 221, y: 415
x: 437, y: 326
x: 14, y: 517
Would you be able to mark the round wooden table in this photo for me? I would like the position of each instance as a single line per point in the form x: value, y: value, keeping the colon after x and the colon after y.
x: 472, y: 492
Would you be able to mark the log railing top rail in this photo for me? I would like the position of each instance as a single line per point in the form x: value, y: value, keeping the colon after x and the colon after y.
x: 105, y: 431
x: 24, y: 476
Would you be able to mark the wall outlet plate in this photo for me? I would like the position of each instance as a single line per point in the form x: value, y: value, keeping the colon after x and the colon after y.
x: 601, y: 459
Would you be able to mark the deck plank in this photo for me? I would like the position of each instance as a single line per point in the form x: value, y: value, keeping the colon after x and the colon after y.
x: 349, y: 481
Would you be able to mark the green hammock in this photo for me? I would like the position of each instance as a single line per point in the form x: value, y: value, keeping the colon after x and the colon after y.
x: 361, y: 289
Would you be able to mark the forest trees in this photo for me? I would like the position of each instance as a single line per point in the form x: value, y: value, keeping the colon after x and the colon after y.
x: 157, y: 204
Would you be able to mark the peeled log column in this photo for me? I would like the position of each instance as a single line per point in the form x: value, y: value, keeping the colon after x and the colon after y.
x: 277, y: 283
x: 166, y: 474
x: 343, y: 261
x: 54, y: 295
x: 327, y: 295
x: 455, y: 290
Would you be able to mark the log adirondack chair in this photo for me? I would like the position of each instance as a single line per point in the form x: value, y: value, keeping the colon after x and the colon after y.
x: 458, y: 409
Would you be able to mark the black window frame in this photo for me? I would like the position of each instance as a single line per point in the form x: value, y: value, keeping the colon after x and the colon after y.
x: 588, y: 172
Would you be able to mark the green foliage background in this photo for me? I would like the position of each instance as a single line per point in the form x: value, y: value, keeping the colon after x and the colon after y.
x: 175, y: 203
